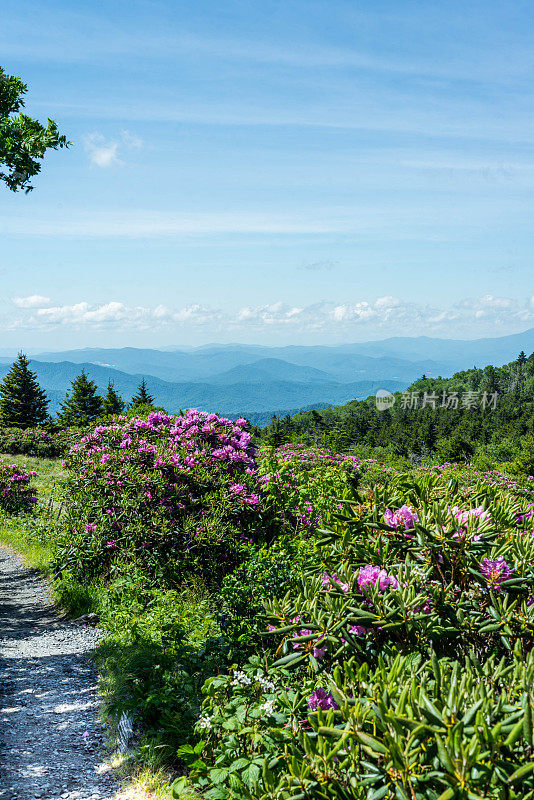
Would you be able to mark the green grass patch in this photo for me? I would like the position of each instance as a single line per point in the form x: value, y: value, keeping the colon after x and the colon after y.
x: 50, y: 473
x: 31, y: 536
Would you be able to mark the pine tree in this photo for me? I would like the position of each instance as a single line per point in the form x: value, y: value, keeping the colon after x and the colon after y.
x: 275, y: 435
x: 112, y: 403
x: 522, y: 358
x: 22, y: 401
x: 490, y: 380
x: 143, y: 397
x: 82, y: 405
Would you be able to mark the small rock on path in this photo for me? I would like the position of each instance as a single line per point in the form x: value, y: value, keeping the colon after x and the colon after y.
x: 51, y: 743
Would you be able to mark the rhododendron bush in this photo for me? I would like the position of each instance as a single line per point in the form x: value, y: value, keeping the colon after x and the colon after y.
x: 36, y: 441
x: 408, y: 729
x: 392, y: 662
x: 163, y: 491
x: 303, y: 482
x: 16, y: 493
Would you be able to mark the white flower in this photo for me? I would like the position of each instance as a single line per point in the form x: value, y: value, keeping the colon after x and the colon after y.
x: 204, y: 722
x: 268, y: 706
x: 265, y: 683
x: 240, y: 678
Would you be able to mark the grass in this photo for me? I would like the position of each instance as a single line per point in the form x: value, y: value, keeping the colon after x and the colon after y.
x: 50, y: 473
x: 31, y: 535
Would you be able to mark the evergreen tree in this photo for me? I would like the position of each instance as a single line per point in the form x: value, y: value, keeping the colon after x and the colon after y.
x: 22, y: 401
x: 82, y: 405
x: 275, y: 436
x: 143, y: 397
x: 112, y: 403
x: 490, y: 380
x: 522, y: 358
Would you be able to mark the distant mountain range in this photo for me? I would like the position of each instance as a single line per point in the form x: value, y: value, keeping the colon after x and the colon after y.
x: 222, y: 395
x: 258, y: 381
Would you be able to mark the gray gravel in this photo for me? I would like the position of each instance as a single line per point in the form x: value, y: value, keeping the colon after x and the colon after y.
x: 51, y: 742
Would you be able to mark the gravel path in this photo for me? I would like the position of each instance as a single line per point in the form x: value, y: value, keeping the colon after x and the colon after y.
x: 50, y: 740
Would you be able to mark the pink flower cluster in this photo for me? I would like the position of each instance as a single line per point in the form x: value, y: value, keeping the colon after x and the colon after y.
x: 328, y: 581
x: 238, y: 490
x: 528, y: 513
x: 370, y: 577
x: 151, y: 473
x: 15, y: 491
x: 322, y: 699
x: 404, y: 518
x: 464, y: 516
x: 318, y: 645
x: 496, y: 571
x: 186, y: 439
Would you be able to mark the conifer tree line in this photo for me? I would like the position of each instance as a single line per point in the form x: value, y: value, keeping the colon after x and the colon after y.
x: 24, y: 404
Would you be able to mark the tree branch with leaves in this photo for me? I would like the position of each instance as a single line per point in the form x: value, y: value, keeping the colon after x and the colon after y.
x: 23, y: 140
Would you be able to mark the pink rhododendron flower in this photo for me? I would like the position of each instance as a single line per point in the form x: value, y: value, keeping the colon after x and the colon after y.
x: 319, y: 650
x: 357, y: 630
x: 369, y: 576
x: 405, y: 518
x: 528, y: 513
x: 328, y: 580
x: 496, y: 571
x: 463, y: 516
x: 302, y: 632
x: 322, y: 699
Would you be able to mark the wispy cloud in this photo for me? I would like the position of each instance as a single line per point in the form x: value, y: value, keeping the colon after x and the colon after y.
x: 387, y: 220
x: 385, y: 314
x: 32, y: 301
x: 104, y: 152
x: 387, y: 111
x: 140, y: 223
x: 81, y: 38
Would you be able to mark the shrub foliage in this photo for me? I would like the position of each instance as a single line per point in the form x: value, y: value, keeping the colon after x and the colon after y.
x: 16, y: 494
x: 170, y: 493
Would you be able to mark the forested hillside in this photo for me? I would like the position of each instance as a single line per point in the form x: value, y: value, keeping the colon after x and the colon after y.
x: 483, y: 413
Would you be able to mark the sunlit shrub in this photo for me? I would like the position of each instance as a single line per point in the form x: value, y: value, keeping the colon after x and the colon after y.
x: 175, y: 493
x: 16, y: 494
x: 38, y: 442
x: 392, y: 675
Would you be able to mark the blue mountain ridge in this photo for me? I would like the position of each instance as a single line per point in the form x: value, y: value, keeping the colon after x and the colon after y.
x: 230, y: 399
x: 237, y: 379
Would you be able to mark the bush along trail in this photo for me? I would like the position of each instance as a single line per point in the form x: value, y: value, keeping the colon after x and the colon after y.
x: 294, y: 623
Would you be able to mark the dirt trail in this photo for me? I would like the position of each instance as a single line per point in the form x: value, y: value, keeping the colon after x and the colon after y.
x: 51, y: 742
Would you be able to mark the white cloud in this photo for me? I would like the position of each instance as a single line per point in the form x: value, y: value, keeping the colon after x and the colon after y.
x: 32, y: 301
x: 385, y: 315
x: 101, y: 153
x: 104, y: 152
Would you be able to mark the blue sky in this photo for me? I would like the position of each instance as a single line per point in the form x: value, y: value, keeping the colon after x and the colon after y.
x: 274, y: 172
